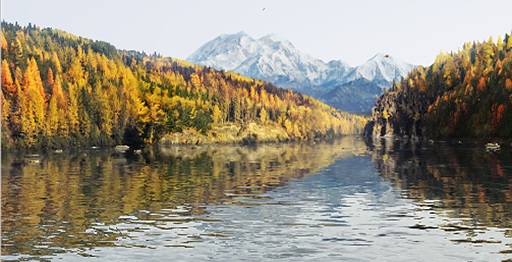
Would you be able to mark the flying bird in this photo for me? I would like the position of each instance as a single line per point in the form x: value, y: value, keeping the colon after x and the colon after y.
x: 263, y: 9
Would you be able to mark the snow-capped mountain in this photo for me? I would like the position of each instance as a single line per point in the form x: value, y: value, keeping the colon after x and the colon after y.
x: 276, y: 60
x: 270, y: 58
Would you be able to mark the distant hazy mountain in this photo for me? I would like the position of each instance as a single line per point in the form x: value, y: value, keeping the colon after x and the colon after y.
x: 276, y: 60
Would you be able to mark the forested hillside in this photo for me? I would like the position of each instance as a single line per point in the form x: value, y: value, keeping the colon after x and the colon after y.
x: 463, y: 94
x: 61, y: 90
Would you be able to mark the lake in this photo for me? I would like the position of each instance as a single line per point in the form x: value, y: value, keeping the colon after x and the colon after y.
x: 346, y: 199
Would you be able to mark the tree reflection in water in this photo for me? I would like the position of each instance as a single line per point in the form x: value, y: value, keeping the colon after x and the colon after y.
x: 85, y: 200
x: 465, y: 180
x: 49, y: 207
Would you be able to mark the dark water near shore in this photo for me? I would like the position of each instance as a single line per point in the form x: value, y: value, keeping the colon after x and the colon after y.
x: 339, y: 200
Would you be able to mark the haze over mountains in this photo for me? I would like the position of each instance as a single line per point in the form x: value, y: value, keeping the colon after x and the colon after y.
x: 271, y: 58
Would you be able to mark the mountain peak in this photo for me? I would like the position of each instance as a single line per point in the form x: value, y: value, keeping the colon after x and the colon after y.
x: 276, y: 42
x: 241, y: 33
x: 382, y: 67
x: 236, y: 35
x: 273, y: 38
x: 381, y: 57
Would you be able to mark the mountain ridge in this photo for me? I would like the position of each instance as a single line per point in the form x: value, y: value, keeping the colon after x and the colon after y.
x: 276, y: 60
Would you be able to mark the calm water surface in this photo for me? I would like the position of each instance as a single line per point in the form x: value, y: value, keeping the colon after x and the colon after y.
x: 334, y: 201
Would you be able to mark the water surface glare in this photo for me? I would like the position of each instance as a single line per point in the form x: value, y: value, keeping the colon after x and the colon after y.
x: 304, y: 202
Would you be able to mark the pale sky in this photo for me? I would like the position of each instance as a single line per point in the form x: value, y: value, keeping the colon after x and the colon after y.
x: 353, y: 31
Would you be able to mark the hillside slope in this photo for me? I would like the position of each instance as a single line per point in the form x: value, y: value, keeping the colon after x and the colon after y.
x: 61, y: 90
x: 463, y: 94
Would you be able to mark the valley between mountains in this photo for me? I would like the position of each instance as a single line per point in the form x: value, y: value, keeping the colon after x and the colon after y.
x: 276, y: 60
x: 61, y: 90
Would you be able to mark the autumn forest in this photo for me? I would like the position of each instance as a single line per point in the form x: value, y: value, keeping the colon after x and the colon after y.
x: 61, y: 90
x: 462, y: 94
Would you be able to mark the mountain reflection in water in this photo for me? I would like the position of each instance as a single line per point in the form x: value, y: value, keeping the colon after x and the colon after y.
x: 325, y: 200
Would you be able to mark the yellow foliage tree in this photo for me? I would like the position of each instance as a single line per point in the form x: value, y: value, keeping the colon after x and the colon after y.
x: 263, y: 116
x: 7, y: 82
x: 5, y: 46
x: 216, y: 114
